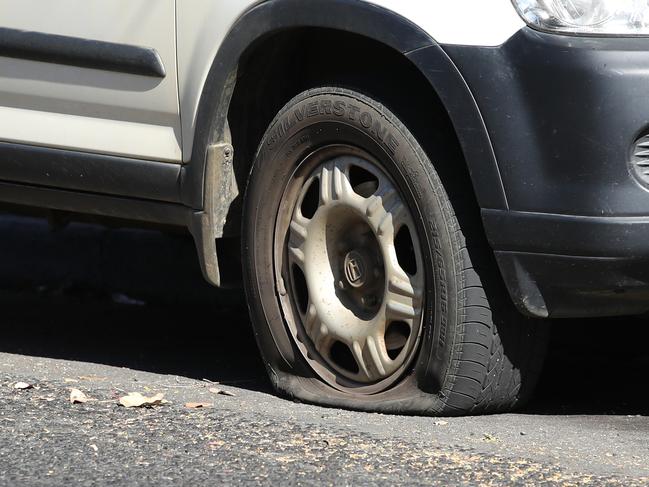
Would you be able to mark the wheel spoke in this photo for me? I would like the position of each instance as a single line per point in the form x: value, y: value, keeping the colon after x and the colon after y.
x: 340, y: 183
x: 311, y: 320
x: 377, y: 204
x: 364, y: 370
x: 392, y: 219
x: 386, y: 211
x: 299, y: 232
x: 372, y: 358
x: 334, y: 182
x: 403, y: 297
x: 399, y: 310
x: 378, y: 359
x: 404, y: 292
x: 317, y: 330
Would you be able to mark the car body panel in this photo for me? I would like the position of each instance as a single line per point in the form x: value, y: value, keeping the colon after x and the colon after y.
x: 204, y: 24
x: 93, y: 110
x: 140, y: 117
x: 463, y: 22
x: 550, y: 168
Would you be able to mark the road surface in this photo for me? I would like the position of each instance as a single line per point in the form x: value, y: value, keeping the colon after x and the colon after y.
x: 114, y: 311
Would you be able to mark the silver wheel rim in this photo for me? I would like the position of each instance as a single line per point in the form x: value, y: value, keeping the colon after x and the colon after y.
x: 350, y: 271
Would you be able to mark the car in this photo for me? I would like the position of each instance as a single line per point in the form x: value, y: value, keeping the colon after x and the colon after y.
x: 407, y: 191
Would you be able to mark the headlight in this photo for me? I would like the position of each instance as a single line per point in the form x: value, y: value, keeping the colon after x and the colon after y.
x: 607, y: 17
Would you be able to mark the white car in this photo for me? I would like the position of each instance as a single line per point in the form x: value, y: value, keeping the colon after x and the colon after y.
x: 405, y: 180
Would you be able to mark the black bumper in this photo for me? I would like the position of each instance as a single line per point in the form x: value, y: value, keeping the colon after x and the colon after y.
x: 563, y: 114
x: 572, y: 266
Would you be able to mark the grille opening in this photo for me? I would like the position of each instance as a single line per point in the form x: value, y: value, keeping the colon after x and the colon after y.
x: 640, y: 160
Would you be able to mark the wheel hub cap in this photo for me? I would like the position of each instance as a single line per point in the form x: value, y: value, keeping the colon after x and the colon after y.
x: 356, y: 283
x: 355, y: 269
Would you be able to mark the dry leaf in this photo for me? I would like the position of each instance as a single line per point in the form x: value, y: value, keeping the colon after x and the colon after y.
x: 76, y: 396
x: 22, y: 385
x: 216, y: 390
x: 136, y: 400
x: 198, y: 405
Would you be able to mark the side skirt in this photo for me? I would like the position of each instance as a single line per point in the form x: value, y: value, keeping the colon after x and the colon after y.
x: 95, y: 204
x: 91, y: 173
x: 123, y: 188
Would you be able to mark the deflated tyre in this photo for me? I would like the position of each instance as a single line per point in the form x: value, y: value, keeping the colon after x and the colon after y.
x: 362, y: 289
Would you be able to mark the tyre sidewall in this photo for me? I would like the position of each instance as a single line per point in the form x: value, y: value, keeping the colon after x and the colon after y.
x: 316, y: 119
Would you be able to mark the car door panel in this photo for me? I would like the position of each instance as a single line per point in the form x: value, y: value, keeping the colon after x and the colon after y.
x: 85, y: 98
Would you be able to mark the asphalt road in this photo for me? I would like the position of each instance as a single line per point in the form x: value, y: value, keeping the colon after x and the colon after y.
x: 114, y: 311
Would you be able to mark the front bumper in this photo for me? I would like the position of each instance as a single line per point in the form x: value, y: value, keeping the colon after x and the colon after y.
x: 572, y: 266
x: 563, y: 114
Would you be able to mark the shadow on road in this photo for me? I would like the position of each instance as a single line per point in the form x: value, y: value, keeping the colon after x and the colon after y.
x: 128, y: 298
x: 596, y: 366
x: 136, y: 299
x: 197, y: 341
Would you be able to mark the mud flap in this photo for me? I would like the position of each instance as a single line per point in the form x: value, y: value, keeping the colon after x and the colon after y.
x: 220, y: 191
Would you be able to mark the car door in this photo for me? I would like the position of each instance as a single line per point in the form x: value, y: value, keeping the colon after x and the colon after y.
x: 94, y: 76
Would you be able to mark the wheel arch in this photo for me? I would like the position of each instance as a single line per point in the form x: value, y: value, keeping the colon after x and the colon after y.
x: 407, y: 48
x: 361, y: 19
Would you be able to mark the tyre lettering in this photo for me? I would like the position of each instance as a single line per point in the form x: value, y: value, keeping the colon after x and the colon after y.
x: 326, y: 107
x: 392, y: 144
x: 283, y: 126
x: 299, y: 113
x: 353, y: 110
x: 379, y: 130
x: 444, y: 310
x: 366, y: 120
x: 339, y: 108
x: 301, y: 141
x: 312, y: 109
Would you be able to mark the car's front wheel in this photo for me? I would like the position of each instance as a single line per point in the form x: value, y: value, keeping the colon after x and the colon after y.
x: 362, y: 289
